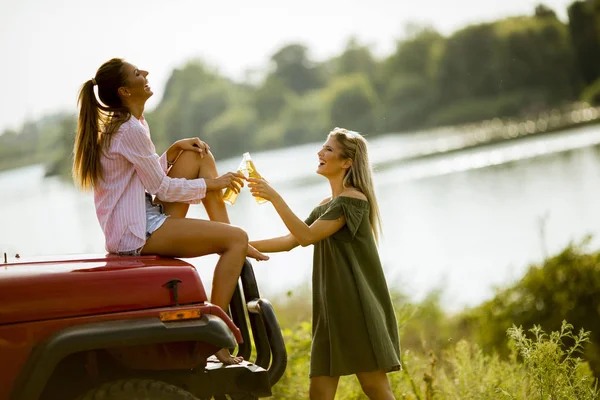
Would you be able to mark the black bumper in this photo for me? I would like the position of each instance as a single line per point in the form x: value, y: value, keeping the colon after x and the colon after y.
x: 46, y: 356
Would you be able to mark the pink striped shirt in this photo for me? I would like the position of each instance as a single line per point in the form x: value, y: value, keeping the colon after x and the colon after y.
x: 131, y: 167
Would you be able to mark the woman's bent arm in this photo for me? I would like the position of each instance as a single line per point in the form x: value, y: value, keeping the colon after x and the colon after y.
x: 135, y: 145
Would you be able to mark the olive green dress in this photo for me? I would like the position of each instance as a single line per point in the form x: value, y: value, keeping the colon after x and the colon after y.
x: 354, y: 324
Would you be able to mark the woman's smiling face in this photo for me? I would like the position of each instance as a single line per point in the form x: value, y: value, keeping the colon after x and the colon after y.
x: 137, y: 89
x: 330, y: 158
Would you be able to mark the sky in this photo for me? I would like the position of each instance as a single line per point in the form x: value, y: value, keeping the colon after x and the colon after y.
x: 49, y: 48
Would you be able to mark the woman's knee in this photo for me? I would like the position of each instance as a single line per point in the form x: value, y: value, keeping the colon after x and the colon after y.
x: 318, y: 392
x: 238, y: 238
x: 376, y: 389
x: 205, y: 160
x: 209, y: 157
x: 323, y: 388
x: 187, y: 156
x: 186, y: 166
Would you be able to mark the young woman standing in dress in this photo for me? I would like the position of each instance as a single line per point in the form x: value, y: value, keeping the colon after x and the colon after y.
x: 115, y: 156
x: 354, y: 323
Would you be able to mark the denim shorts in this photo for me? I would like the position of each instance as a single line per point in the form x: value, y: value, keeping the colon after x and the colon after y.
x: 155, y: 217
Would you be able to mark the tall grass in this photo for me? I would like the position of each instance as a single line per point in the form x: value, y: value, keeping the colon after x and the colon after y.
x: 540, y: 366
x: 444, y: 357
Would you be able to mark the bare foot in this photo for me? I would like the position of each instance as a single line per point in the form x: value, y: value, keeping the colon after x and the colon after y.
x: 257, y: 255
x: 226, y: 358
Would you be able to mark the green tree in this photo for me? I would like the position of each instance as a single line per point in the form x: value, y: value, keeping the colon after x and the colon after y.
x: 417, y: 55
x: 271, y: 98
x: 356, y: 59
x: 526, y: 58
x: 585, y: 36
x: 353, y: 103
x: 409, y: 74
x: 295, y: 69
x: 194, y: 96
x: 232, y: 132
x: 62, y: 154
x: 536, y: 54
x: 469, y: 64
x: 305, y: 120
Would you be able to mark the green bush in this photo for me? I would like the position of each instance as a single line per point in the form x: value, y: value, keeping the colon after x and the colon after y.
x: 564, y: 287
x: 591, y: 94
x: 552, y: 371
x: 539, y: 368
x: 472, y: 374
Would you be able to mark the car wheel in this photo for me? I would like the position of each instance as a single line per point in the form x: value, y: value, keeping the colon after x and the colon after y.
x: 137, y: 389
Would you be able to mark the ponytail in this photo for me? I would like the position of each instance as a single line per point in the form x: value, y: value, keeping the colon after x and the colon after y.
x: 98, y: 121
x: 87, y: 167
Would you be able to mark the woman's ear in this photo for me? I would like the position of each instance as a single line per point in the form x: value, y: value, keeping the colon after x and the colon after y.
x: 347, y: 163
x: 123, y: 91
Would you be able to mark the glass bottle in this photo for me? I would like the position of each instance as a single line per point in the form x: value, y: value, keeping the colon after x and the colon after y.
x: 252, y: 173
x: 230, y: 195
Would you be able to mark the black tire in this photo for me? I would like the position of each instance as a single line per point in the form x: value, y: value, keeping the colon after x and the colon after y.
x: 239, y: 396
x: 137, y: 389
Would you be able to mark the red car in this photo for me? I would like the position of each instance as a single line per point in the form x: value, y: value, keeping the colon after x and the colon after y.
x: 121, y: 328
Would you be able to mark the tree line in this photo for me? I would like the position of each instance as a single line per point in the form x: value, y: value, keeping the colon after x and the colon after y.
x: 511, y: 67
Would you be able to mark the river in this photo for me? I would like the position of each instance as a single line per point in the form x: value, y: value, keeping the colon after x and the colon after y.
x: 466, y: 221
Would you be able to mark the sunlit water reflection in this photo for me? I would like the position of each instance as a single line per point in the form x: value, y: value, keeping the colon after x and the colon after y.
x: 464, y: 221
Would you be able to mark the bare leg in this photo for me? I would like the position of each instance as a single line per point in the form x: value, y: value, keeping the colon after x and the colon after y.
x: 184, y: 237
x: 376, y: 385
x: 323, y: 387
x: 190, y: 165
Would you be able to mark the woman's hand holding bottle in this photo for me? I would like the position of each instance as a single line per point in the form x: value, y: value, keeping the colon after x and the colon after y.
x: 261, y: 189
x: 230, y: 180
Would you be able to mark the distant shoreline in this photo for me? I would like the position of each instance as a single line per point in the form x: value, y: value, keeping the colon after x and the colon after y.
x: 448, y: 139
x: 495, y: 140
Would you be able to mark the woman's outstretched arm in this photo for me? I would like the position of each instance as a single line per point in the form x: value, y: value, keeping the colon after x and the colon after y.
x: 305, y: 235
x: 275, y: 245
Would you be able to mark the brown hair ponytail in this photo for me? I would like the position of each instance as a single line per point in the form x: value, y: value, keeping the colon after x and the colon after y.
x: 86, y: 168
x: 97, y: 121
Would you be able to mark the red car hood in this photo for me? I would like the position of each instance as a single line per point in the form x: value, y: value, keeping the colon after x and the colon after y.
x: 60, y: 287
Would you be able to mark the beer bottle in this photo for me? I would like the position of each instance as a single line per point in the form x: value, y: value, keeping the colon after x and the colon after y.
x: 230, y: 195
x: 252, y: 173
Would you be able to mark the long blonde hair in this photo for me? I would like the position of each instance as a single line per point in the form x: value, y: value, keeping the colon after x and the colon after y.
x: 359, y: 175
x: 97, y: 122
